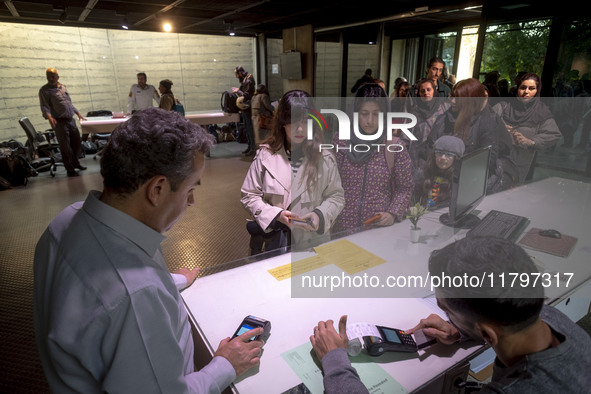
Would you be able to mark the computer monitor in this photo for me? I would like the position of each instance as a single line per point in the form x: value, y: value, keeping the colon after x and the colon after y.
x: 468, y: 189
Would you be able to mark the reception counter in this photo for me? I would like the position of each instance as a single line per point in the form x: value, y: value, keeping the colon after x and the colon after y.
x: 106, y: 124
x: 217, y: 303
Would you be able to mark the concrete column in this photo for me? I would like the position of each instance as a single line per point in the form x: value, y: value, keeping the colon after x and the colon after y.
x: 301, y: 39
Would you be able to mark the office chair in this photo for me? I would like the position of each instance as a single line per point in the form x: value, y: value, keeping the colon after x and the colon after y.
x: 43, y: 152
x: 99, y: 139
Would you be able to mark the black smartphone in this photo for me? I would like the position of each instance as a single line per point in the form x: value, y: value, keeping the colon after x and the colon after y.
x: 251, y: 322
x: 307, y: 221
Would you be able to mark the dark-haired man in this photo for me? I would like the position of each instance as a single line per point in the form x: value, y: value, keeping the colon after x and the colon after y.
x: 141, y: 95
x: 539, y: 349
x: 365, y: 78
x: 108, y: 316
x: 246, y: 91
x: 434, y: 70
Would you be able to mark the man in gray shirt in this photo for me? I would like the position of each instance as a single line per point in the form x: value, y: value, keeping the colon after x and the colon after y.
x: 57, y: 108
x: 108, y: 316
x: 539, y: 349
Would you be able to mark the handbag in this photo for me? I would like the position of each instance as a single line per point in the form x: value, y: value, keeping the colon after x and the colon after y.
x: 265, y: 122
x: 260, y: 241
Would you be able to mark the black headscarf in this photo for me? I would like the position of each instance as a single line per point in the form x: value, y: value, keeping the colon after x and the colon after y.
x: 368, y: 92
x: 530, y: 112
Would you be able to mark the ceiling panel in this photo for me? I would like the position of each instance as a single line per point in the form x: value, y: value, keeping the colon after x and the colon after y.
x: 249, y: 17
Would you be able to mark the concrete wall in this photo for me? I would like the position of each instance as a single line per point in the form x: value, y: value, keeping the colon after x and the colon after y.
x: 98, y: 66
x: 328, y: 69
x: 274, y: 81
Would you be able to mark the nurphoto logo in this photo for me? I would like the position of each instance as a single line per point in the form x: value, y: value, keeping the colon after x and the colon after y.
x: 394, y: 121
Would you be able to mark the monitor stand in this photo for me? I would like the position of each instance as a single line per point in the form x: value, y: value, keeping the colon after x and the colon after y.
x: 468, y: 221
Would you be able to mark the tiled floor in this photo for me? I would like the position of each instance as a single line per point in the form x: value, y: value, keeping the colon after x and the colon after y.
x: 211, y: 234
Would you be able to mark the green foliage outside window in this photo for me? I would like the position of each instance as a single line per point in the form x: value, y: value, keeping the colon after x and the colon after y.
x: 515, y: 47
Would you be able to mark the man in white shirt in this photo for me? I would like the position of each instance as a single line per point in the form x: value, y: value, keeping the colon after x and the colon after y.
x: 108, y: 316
x: 141, y: 95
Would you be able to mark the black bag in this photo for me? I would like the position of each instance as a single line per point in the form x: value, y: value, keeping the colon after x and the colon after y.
x: 4, y: 184
x: 100, y: 113
x: 227, y: 134
x: 89, y: 147
x: 228, y: 102
x: 260, y: 241
x: 14, y: 145
x: 214, y: 131
x: 15, y: 168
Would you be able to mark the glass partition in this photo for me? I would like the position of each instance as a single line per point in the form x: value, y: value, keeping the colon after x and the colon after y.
x: 361, y: 57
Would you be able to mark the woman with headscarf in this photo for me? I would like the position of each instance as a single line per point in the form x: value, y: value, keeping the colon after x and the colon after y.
x: 427, y: 108
x: 530, y: 123
x: 167, y: 100
x: 377, y: 181
x: 472, y: 119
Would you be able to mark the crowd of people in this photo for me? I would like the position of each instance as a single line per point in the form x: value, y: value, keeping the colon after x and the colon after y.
x: 379, y: 183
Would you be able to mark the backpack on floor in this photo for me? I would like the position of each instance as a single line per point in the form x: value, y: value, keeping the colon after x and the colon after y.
x: 227, y: 134
x: 89, y: 146
x: 15, y: 168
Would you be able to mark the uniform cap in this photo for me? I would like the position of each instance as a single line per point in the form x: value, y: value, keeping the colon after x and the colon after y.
x: 51, y: 70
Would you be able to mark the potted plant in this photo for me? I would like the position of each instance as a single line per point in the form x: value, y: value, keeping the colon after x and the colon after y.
x: 414, y: 213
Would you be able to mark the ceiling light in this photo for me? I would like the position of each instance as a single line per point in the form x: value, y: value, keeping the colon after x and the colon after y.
x: 231, y: 27
x: 167, y: 27
x: 125, y: 23
x: 63, y: 17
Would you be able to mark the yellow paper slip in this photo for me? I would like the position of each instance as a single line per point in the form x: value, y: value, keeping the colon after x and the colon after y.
x: 298, y: 267
x: 348, y: 256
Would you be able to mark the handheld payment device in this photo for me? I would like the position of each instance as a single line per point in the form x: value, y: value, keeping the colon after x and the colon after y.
x: 390, y: 340
x: 250, y: 322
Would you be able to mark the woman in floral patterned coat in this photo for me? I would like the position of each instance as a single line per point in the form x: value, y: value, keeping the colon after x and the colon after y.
x: 378, y: 182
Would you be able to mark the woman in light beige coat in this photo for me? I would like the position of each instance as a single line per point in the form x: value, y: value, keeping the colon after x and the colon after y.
x: 290, y: 178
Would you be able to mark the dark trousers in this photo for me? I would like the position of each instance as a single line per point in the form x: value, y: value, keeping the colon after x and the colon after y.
x: 247, y: 119
x: 68, y: 136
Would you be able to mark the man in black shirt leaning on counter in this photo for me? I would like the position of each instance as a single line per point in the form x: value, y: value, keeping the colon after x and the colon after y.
x: 539, y: 349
